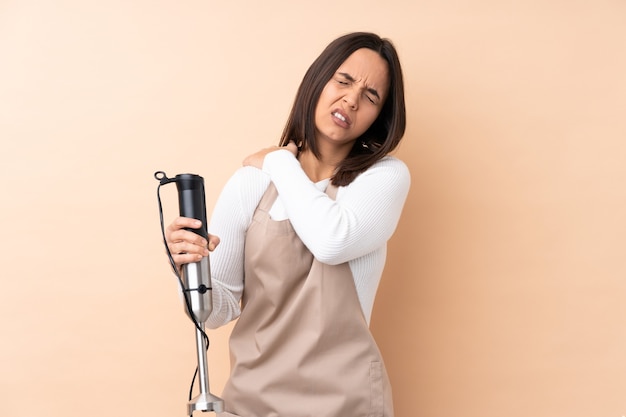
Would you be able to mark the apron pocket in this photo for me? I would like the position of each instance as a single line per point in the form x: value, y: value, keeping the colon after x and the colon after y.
x: 376, y: 390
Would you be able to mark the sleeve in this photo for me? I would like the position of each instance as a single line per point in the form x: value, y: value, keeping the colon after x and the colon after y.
x: 230, y: 219
x: 361, y: 219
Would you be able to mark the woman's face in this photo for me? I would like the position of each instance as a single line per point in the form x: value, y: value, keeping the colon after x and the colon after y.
x: 352, y: 99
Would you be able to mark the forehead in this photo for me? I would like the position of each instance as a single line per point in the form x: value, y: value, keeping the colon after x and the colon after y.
x: 367, y: 66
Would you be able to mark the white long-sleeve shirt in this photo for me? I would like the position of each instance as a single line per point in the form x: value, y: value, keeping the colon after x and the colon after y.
x: 353, y: 228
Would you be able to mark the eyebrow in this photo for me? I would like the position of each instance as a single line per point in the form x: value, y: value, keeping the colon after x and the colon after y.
x: 351, y: 79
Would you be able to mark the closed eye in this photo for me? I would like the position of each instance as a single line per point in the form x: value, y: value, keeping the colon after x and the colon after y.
x: 372, y: 92
x: 346, y: 79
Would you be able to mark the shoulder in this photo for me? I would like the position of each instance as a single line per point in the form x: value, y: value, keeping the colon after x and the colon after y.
x: 393, y: 165
x: 238, y: 199
x: 246, y: 186
x: 248, y: 172
x: 388, y: 178
x: 248, y: 179
x: 387, y: 170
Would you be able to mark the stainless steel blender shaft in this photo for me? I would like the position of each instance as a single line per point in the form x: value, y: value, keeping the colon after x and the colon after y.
x: 197, y: 281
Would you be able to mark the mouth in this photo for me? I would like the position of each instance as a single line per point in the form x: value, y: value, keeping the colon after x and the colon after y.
x: 341, y: 118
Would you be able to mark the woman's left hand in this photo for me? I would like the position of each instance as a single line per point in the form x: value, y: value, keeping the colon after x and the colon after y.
x: 257, y: 158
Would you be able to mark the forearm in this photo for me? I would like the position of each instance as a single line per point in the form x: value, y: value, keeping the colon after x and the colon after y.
x: 361, y: 219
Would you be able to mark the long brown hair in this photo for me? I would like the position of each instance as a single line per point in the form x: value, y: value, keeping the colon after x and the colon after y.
x: 382, y: 137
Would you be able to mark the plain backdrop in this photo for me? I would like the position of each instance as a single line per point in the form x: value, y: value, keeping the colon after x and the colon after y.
x: 504, y: 292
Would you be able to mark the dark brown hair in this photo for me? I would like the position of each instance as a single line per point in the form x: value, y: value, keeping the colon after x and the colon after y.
x: 382, y: 137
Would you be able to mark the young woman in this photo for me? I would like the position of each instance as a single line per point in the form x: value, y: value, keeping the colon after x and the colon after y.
x: 303, y: 228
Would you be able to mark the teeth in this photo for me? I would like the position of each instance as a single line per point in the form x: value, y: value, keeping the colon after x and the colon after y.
x: 339, y: 116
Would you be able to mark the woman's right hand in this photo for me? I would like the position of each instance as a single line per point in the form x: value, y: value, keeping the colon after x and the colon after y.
x: 186, y: 246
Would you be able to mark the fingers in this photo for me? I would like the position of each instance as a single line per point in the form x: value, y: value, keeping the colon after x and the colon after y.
x: 213, y: 242
x: 257, y: 158
x: 292, y: 147
x: 182, y: 222
x: 185, y: 258
x: 181, y: 240
x: 187, y: 246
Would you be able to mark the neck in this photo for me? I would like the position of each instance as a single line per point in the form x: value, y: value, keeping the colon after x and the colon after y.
x: 314, y: 168
x: 324, y: 167
x: 331, y: 155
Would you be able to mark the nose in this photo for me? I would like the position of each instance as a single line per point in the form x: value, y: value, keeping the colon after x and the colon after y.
x: 352, y: 99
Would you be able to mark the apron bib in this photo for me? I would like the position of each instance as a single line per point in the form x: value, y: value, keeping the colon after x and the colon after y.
x: 301, y: 346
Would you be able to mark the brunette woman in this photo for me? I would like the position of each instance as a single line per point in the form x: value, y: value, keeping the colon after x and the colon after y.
x: 303, y: 229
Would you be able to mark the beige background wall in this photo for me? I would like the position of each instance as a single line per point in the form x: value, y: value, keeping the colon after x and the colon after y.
x: 504, y: 293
